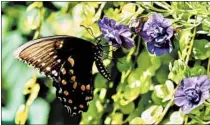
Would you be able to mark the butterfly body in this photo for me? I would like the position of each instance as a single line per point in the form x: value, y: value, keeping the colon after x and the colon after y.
x: 68, y: 61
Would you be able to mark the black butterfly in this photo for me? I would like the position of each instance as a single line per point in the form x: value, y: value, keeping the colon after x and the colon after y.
x: 68, y: 61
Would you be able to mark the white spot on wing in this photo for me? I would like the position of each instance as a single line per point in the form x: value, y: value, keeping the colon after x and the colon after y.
x: 48, y: 68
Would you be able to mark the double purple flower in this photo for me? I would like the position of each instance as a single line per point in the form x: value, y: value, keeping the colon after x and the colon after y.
x: 116, y: 34
x: 192, y: 93
x: 156, y: 32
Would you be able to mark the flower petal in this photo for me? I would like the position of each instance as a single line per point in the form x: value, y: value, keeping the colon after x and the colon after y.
x: 158, y: 52
x: 150, y: 47
x: 170, y: 32
x: 205, y: 85
x: 166, y: 23
x: 204, y: 82
x: 189, y: 82
x: 179, y: 92
x: 105, y: 20
x: 127, y: 42
x: 187, y: 108
x: 180, y: 101
x: 145, y: 36
x: 157, y: 32
x: 164, y: 49
x: 157, y: 18
x: 112, y: 23
x: 205, y: 95
x: 115, y: 34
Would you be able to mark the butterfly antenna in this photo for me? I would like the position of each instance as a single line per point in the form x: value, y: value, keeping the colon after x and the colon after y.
x: 90, y: 31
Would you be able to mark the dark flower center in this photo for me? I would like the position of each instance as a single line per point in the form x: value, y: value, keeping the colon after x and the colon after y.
x: 158, y: 34
x: 193, y: 95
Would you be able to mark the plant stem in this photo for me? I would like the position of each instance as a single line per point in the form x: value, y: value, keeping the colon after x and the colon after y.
x: 207, y: 103
x: 185, y: 119
x: 170, y: 103
x: 190, y: 47
x: 198, y: 120
x: 208, y: 67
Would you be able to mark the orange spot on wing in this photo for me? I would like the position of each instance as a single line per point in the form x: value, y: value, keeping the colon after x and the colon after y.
x: 71, y: 71
x: 66, y: 93
x: 64, y: 82
x: 73, y: 78
x: 75, y: 85
x: 83, y: 87
x: 81, y: 106
x: 70, y: 101
x: 71, y: 61
x: 88, y: 87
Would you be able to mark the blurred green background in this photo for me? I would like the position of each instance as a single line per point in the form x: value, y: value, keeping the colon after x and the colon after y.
x: 141, y: 89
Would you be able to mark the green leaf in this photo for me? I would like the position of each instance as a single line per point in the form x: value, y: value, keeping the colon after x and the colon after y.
x: 100, y: 82
x: 6, y: 24
x: 129, y: 95
x: 136, y: 121
x: 41, y: 117
x: 146, y: 82
x: 162, y: 74
x: 93, y: 4
x: 117, y: 3
x: 185, y: 37
x: 60, y: 4
x: 126, y: 109
x: 143, y: 61
x: 151, y: 114
x: 201, y: 50
x: 156, y: 99
x: 14, y: 74
x: 177, y: 71
x: 123, y: 64
x: 176, y: 118
x: 197, y: 70
x: 34, y: 15
x: 165, y: 91
x: 117, y: 118
x: 128, y: 10
x: 112, y: 13
x: 166, y: 59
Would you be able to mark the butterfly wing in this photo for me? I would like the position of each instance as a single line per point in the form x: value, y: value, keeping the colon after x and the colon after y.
x: 68, y: 60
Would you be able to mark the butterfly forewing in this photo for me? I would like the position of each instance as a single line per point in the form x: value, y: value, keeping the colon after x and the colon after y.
x: 43, y: 54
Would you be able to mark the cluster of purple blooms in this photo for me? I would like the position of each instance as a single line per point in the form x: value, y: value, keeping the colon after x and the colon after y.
x: 157, y: 32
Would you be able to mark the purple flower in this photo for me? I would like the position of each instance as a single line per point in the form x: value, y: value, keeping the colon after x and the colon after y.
x: 116, y: 34
x: 157, y: 32
x: 192, y: 92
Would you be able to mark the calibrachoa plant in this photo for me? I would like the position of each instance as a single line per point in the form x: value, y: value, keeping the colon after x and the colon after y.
x: 162, y: 72
x: 116, y: 34
x: 192, y: 92
x: 157, y: 32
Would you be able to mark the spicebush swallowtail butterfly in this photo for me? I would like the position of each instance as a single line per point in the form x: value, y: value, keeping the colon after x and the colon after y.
x: 68, y: 61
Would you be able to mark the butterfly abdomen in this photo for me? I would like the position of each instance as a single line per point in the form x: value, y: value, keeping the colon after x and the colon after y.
x: 98, y: 54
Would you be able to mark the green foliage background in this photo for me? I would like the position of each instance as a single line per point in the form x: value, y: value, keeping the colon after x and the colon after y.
x: 142, y: 92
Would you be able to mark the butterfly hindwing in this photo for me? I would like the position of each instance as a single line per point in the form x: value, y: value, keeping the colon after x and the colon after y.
x: 75, y: 87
